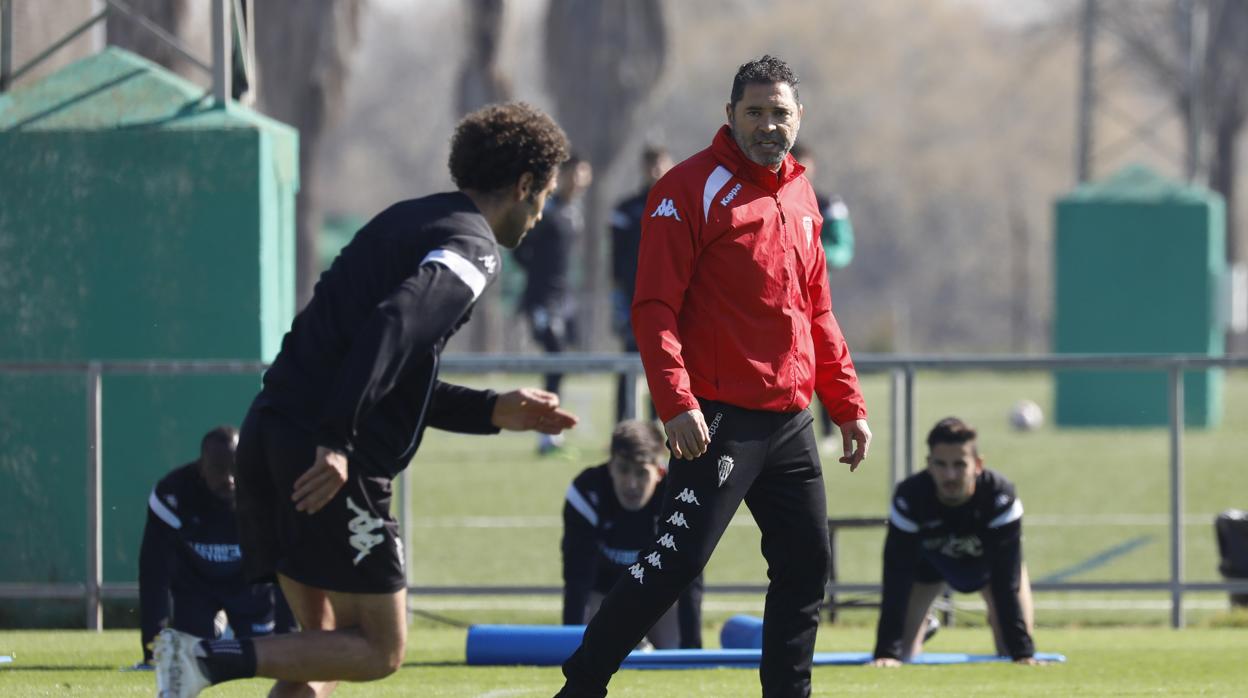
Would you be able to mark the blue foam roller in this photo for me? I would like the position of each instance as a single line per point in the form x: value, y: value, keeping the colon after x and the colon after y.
x: 533, y: 645
x: 742, y: 632
x: 749, y: 658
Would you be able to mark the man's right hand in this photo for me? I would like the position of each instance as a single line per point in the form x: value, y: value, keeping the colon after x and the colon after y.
x: 888, y: 662
x: 687, y: 434
x: 318, y: 484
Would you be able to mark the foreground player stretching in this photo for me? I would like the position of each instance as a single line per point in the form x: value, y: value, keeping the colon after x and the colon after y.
x: 344, y: 407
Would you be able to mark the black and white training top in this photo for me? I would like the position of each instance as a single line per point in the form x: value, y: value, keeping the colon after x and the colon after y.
x: 360, y: 363
x: 970, y: 545
x: 190, y: 542
x: 601, y: 539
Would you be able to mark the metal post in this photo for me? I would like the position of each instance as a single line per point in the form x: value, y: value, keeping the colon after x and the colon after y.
x: 909, y: 421
x: 407, y: 518
x: 6, y: 43
x: 1176, y: 495
x: 630, y: 394
x: 95, y: 538
x: 1087, y: 92
x: 896, y: 418
x: 222, y: 53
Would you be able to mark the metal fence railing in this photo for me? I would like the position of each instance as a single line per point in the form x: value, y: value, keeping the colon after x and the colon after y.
x: 902, y: 370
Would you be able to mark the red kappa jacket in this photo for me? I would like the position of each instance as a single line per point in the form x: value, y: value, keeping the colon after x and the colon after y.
x: 732, y: 298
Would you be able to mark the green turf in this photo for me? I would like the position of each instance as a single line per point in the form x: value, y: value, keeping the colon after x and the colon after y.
x: 1102, y: 662
x: 1063, y: 476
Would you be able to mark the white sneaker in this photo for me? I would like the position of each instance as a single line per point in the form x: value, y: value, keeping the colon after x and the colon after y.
x: 177, y: 671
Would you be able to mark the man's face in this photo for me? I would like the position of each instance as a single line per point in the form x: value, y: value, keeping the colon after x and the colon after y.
x: 574, y: 180
x: 656, y: 167
x: 765, y: 121
x: 524, y: 213
x: 954, y: 467
x: 634, y: 482
x: 216, y: 466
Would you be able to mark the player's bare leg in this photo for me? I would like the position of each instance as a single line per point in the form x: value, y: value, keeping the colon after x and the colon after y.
x: 1025, y: 603
x: 347, y: 637
x: 922, y: 595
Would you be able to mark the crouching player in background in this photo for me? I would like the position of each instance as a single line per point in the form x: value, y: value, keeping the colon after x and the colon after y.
x: 960, y: 524
x: 190, y: 555
x: 610, y: 514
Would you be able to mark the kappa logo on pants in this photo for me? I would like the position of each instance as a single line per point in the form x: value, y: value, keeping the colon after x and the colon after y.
x: 362, y: 526
x: 638, y: 572
x: 667, y: 541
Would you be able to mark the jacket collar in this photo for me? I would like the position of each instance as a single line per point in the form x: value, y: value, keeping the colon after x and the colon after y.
x: 725, y: 149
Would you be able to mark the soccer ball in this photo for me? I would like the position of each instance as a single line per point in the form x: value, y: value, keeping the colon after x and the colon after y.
x: 1026, y: 415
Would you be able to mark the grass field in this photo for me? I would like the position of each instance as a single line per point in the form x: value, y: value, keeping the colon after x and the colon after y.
x: 1096, y: 500
x: 487, y: 513
x: 1100, y: 662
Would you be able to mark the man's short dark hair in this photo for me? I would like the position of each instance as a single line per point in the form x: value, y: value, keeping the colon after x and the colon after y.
x: 496, y: 144
x: 224, y: 435
x: 951, y: 430
x: 637, y: 441
x: 651, y: 154
x: 764, y: 71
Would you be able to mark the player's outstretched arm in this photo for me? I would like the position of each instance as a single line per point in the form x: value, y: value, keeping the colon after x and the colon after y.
x: 530, y: 409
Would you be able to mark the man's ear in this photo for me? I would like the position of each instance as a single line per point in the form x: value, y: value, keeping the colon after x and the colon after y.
x: 524, y: 186
x: 728, y: 111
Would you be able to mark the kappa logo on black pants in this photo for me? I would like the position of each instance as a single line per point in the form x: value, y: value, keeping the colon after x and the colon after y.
x: 362, y: 526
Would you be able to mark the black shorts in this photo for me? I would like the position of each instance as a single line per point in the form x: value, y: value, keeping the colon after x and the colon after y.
x: 350, y: 545
x: 966, y: 577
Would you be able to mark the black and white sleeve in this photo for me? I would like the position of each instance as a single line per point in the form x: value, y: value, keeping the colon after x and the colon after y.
x: 901, y: 557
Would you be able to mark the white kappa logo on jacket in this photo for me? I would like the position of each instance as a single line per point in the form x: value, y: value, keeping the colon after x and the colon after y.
x: 665, y: 209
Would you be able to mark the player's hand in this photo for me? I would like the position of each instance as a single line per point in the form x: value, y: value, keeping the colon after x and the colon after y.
x: 318, y: 484
x: 887, y: 662
x: 855, y: 439
x: 530, y: 409
x: 687, y: 434
x: 1030, y: 661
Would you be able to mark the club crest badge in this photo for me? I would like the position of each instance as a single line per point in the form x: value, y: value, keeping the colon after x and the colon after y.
x: 725, y: 468
x: 808, y: 227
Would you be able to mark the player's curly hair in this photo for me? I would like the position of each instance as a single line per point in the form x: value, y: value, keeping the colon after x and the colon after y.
x: 765, y: 71
x: 496, y: 144
x: 951, y: 430
x: 637, y: 441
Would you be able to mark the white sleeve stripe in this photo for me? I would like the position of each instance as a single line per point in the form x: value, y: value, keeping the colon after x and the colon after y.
x: 714, y: 183
x: 578, y: 502
x: 897, y: 519
x: 465, y: 270
x: 1014, y: 513
x: 163, y: 512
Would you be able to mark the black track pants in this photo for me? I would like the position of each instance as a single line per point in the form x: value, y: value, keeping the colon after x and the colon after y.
x: 770, y: 461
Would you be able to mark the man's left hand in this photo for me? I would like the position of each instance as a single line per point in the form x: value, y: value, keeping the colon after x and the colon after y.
x: 856, y: 439
x: 530, y: 409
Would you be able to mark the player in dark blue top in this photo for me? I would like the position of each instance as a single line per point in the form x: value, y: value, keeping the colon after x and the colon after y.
x: 960, y: 524
x: 344, y: 407
x: 190, y: 567
x: 610, y: 514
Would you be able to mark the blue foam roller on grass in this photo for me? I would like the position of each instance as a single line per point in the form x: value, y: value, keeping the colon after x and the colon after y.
x: 534, y: 645
x: 742, y: 632
x: 550, y: 645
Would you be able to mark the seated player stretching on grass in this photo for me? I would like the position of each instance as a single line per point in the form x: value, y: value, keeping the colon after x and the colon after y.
x: 610, y: 514
x: 960, y: 524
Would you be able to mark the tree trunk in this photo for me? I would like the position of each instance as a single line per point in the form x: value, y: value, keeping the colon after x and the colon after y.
x: 482, y: 82
x: 603, y: 61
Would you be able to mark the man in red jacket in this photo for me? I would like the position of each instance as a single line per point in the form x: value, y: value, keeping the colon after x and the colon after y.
x: 735, y: 329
